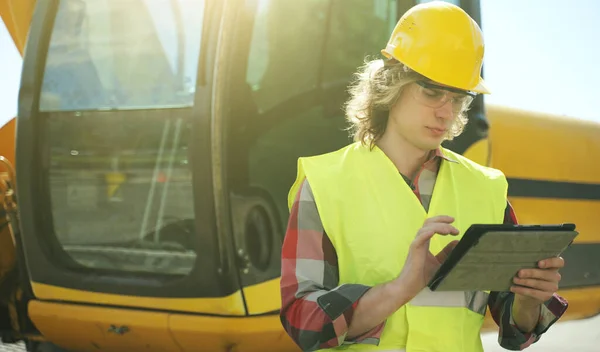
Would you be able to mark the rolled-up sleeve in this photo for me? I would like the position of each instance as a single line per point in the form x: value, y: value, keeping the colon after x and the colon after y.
x: 510, y: 336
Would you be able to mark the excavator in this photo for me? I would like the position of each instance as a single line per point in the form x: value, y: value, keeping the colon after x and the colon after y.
x: 144, y: 179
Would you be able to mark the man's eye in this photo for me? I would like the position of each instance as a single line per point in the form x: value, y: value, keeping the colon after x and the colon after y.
x: 432, y: 93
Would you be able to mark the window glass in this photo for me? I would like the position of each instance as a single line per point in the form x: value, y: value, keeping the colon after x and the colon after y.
x: 285, y: 53
x: 122, y: 198
x: 122, y: 54
x: 120, y: 182
x: 358, y: 30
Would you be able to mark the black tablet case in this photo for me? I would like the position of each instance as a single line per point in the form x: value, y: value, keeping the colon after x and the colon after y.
x: 489, y: 256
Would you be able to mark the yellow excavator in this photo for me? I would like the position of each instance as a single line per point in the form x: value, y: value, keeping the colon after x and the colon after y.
x: 144, y: 178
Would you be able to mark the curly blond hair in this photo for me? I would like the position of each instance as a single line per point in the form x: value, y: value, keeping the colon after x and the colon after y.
x: 376, y: 88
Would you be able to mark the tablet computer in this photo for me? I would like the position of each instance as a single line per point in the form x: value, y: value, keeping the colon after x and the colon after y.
x: 488, y: 257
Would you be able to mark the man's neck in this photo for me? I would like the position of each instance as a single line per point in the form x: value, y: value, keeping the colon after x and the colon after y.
x: 406, y: 157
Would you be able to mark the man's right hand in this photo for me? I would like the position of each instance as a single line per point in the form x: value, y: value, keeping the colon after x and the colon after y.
x: 378, y: 303
x: 421, y: 264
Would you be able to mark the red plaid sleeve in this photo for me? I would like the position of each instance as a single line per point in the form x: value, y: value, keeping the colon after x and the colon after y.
x: 500, y: 303
x: 315, y: 310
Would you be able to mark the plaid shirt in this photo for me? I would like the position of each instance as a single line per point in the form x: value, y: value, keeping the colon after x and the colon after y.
x: 310, y: 271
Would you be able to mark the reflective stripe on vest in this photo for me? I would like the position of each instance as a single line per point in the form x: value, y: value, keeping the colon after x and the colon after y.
x: 475, y: 301
x: 371, y: 216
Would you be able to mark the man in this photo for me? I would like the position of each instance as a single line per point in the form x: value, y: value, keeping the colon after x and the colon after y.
x: 366, y: 219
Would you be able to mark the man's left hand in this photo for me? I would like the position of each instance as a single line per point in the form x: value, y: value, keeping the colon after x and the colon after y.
x: 535, y: 286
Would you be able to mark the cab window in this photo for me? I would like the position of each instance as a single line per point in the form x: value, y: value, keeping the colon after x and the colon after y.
x: 117, y: 90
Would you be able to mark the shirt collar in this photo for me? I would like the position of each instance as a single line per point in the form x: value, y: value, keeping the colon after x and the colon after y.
x: 440, y: 154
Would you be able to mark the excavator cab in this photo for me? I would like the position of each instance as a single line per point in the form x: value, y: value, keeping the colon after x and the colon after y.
x: 156, y: 142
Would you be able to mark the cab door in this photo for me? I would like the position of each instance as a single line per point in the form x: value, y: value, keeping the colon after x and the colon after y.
x: 114, y: 172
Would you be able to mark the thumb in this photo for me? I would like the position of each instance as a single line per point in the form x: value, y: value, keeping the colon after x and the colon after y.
x: 444, y: 253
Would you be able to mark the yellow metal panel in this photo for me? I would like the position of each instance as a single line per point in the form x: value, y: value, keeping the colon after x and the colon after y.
x: 264, y: 297
x: 201, y: 333
x: 229, y: 305
x: 544, y: 147
x: 479, y: 152
x: 81, y: 328
x: 7, y: 150
x: 583, y: 213
x: 7, y: 140
x: 583, y: 303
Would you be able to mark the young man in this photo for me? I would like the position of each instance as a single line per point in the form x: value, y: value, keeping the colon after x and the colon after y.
x: 372, y: 222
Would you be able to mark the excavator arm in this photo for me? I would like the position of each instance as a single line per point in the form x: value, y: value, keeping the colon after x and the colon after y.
x: 16, y: 15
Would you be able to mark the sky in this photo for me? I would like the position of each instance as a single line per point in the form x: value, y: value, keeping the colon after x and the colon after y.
x: 541, y: 55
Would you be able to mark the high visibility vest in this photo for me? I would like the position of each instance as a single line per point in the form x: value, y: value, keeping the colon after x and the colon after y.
x: 371, y: 216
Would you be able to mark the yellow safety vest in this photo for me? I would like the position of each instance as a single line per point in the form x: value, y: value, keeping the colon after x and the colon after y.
x: 371, y: 216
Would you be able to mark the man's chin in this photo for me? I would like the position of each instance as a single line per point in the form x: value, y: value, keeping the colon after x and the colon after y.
x: 429, y: 145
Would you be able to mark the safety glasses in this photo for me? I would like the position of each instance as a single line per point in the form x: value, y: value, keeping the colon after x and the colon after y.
x: 436, y: 96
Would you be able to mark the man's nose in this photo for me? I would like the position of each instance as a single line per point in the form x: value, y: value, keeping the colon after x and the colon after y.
x: 445, y: 111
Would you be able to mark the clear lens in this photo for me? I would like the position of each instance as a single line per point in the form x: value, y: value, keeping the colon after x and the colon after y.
x: 436, y: 97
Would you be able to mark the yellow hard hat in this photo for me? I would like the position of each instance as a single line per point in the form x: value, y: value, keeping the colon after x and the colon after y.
x: 442, y: 42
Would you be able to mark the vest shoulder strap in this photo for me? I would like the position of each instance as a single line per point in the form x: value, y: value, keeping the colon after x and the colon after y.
x: 330, y: 164
x: 335, y: 165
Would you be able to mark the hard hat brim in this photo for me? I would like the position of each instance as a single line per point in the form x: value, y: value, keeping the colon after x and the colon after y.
x: 480, y: 88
